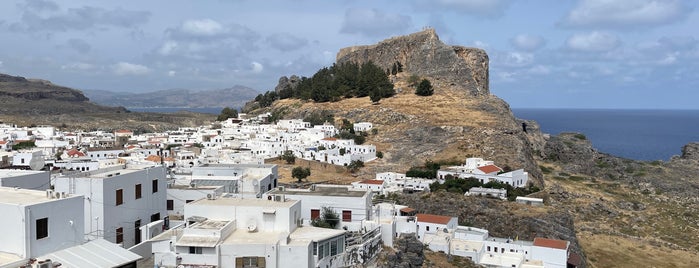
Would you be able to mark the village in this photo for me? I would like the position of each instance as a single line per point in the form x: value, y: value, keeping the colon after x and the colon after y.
x: 210, y: 197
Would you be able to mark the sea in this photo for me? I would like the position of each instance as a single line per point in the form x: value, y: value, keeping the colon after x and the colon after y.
x: 204, y: 110
x: 635, y: 134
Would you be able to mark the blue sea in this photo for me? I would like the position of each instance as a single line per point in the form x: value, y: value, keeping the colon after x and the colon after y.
x: 204, y: 110
x: 634, y: 134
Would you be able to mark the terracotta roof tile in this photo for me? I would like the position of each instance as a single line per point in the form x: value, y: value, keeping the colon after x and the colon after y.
x: 550, y: 243
x: 490, y: 169
x: 377, y: 182
x: 439, y: 219
x: 407, y: 210
x: 329, y: 139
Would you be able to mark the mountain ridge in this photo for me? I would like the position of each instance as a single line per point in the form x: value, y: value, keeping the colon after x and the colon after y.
x: 228, y: 97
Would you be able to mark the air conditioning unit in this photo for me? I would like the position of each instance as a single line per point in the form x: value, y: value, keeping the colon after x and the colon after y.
x: 49, y: 194
x: 279, y: 198
x: 58, y: 195
x: 211, y: 196
x: 299, y: 222
x: 280, y: 188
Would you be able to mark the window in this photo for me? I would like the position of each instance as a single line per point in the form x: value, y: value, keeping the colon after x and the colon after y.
x: 194, y: 250
x: 315, y: 213
x: 427, y: 228
x: 488, y: 248
x: 155, y: 217
x: 170, y: 204
x: 42, y: 228
x: 119, y: 196
x: 188, y: 201
x: 346, y: 215
x: 155, y: 185
x: 119, y: 235
x: 137, y: 190
x: 250, y: 262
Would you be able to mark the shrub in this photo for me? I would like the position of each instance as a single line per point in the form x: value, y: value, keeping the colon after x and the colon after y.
x: 424, y: 88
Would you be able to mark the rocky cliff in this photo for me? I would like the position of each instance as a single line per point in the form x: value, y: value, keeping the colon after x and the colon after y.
x: 423, y: 54
x: 462, y: 119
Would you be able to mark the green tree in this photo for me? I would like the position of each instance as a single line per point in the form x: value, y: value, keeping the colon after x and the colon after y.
x: 300, y: 173
x: 288, y: 157
x: 227, y: 113
x: 328, y: 219
x: 355, y: 165
x: 379, y: 154
x: 424, y: 88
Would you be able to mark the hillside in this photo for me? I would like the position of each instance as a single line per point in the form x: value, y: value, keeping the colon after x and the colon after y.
x: 31, y: 102
x: 616, y: 212
x: 235, y: 96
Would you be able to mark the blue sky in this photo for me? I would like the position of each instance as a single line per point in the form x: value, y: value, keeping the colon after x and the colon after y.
x: 546, y: 54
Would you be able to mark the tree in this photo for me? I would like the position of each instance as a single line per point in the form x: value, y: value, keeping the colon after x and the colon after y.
x: 227, y: 113
x: 355, y: 165
x: 300, y: 173
x: 424, y: 88
x: 379, y: 154
x: 289, y: 157
x: 328, y: 219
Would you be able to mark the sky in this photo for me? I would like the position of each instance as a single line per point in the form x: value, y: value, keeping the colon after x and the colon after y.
x: 630, y: 54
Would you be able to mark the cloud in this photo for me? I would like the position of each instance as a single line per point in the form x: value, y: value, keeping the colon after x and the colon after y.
x: 208, y: 29
x: 257, y: 67
x: 78, y: 66
x: 374, y: 23
x: 125, y: 68
x: 41, y: 5
x: 82, y: 18
x: 608, y: 14
x: 286, y: 42
x: 527, y: 42
x: 171, y: 73
x: 514, y: 59
x: 593, y: 42
x: 480, y: 8
x: 79, y: 45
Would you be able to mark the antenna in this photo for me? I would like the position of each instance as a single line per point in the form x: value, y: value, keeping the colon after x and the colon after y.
x: 37, y: 163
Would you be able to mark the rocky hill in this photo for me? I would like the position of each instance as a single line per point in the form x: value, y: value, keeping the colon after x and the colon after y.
x: 423, y: 54
x: 32, y: 101
x: 235, y: 96
x: 462, y: 119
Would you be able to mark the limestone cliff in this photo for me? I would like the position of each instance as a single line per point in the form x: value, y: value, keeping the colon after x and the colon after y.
x: 462, y: 119
x: 423, y: 54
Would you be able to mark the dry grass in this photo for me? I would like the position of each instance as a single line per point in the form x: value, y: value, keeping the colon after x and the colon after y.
x: 615, y: 251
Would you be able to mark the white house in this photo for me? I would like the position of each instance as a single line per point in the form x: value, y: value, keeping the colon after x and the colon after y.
x: 376, y: 186
x: 362, y: 126
x: 553, y: 252
x: 234, y: 232
x: 487, y: 192
x: 350, y: 205
x: 36, y: 223
x: 118, y: 200
x: 430, y: 223
x: 485, y: 171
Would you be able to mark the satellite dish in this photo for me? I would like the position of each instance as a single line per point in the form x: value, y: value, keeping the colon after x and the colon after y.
x: 37, y: 163
x: 252, y: 226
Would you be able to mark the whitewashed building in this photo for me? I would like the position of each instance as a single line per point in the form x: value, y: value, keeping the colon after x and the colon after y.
x: 118, y: 200
x: 36, y: 223
x: 25, y: 179
x: 234, y: 232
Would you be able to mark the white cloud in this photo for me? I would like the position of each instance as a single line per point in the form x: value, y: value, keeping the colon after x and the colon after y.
x: 205, y: 27
x: 373, y: 22
x: 625, y: 13
x: 78, y: 66
x: 515, y: 59
x: 593, y: 42
x: 167, y: 48
x: 528, y: 42
x: 171, y: 73
x: 125, y: 68
x: 257, y: 67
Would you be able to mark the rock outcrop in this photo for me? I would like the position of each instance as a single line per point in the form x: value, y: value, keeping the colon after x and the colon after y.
x: 287, y: 83
x: 691, y: 151
x: 409, y: 253
x: 423, y: 54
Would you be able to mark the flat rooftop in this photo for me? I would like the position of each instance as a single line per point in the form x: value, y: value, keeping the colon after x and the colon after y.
x: 17, y: 196
x: 8, y: 173
x: 246, y: 202
x: 7, y: 258
x: 310, y: 233
x: 321, y: 191
x: 109, y: 172
x: 242, y: 236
